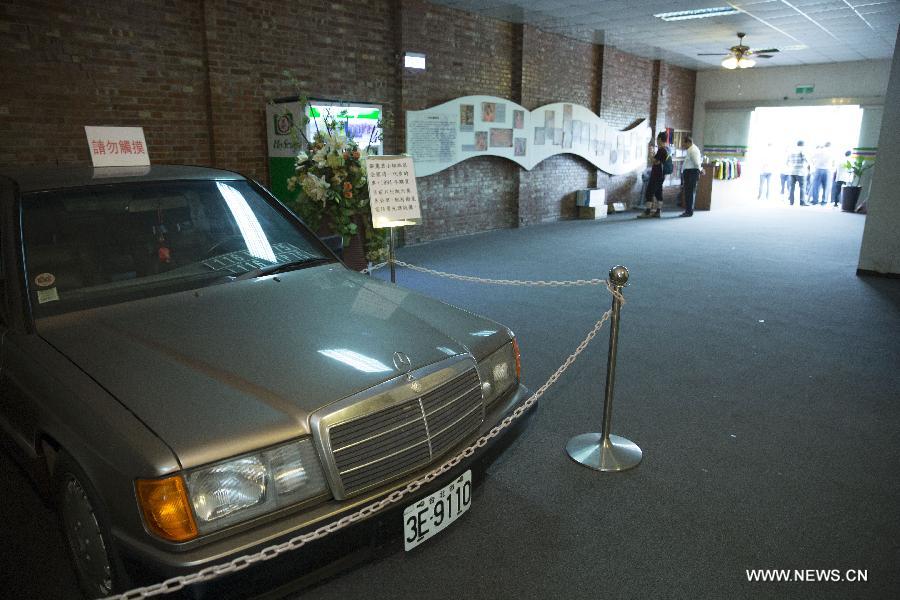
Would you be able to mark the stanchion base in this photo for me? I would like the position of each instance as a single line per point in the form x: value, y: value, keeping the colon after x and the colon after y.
x: 613, y: 454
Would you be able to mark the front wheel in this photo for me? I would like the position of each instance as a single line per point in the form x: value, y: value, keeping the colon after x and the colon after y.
x: 83, y: 529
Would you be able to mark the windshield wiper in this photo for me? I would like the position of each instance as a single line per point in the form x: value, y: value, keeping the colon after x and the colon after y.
x: 294, y: 265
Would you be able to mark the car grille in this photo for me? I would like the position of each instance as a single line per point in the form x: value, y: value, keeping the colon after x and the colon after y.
x: 380, y: 446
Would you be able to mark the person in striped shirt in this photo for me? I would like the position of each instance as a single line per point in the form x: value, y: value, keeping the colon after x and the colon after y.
x: 799, y: 169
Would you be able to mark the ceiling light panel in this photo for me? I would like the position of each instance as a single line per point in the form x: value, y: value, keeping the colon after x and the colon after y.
x: 698, y: 13
x: 868, y: 30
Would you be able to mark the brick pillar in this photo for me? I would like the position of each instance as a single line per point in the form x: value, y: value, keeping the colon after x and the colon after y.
x: 626, y: 95
x: 657, y: 108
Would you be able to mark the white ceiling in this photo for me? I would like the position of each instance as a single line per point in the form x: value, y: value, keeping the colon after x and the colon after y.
x: 806, y: 31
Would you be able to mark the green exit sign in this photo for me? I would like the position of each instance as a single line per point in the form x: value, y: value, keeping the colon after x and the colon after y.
x: 802, y: 90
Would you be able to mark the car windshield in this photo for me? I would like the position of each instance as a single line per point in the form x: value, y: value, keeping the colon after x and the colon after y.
x: 105, y: 244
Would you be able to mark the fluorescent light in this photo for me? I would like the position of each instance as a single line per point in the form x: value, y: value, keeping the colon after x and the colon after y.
x: 414, y: 60
x: 252, y: 232
x: 358, y: 361
x: 730, y: 62
x: 699, y: 13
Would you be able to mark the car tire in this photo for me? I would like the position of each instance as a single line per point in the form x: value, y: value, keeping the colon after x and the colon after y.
x: 85, y: 530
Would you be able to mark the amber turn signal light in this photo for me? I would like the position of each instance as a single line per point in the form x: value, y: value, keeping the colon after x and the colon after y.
x: 518, y: 358
x: 167, y: 512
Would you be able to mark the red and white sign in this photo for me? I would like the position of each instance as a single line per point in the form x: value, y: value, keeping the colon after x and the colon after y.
x: 117, y: 146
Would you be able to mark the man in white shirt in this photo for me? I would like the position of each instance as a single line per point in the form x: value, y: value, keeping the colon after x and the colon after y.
x: 821, y: 164
x: 690, y: 174
x: 841, y: 178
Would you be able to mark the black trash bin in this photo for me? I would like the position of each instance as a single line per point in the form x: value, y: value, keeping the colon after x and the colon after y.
x: 849, y: 197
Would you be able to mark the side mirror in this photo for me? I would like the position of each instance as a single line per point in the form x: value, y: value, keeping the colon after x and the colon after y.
x: 335, y: 243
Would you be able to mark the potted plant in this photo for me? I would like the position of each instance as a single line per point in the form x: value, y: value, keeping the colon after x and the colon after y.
x: 850, y: 193
x: 333, y: 192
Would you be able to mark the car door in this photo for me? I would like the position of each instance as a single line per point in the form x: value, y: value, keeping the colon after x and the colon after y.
x: 16, y: 414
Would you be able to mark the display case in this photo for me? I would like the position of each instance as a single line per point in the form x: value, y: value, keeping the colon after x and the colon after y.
x: 703, y: 199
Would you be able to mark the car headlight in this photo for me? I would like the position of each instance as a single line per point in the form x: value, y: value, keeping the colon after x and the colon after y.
x: 499, y: 371
x: 231, y: 491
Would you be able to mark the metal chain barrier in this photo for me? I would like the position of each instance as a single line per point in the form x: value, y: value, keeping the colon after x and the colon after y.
x: 373, y: 268
x: 175, y: 584
x: 472, y: 279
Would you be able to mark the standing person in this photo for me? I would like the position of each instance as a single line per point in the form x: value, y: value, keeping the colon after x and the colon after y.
x: 799, y: 168
x: 785, y: 169
x: 821, y: 163
x: 842, y: 177
x: 765, y: 172
x: 654, y: 186
x: 690, y: 174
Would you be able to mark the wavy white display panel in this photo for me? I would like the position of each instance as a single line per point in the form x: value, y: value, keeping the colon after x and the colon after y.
x: 444, y: 135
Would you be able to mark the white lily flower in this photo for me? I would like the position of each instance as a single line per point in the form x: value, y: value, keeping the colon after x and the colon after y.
x: 339, y: 142
x: 321, y: 156
x: 315, y: 187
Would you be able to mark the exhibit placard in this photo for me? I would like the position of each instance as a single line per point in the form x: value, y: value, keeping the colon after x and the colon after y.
x: 117, y: 146
x: 393, y: 196
x: 441, y: 136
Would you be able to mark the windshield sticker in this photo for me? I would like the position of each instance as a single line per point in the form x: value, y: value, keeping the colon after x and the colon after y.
x: 45, y: 280
x: 50, y: 295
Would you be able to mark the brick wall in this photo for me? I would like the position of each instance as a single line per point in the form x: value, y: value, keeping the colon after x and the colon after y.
x: 69, y: 64
x: 556, y: 69
x: 197, y: 76
x: 475, y: 195
x: 675, y: 109
x: 676, y: 97
x: 466, y: 54
x: 253, y: 42
x: 626, y: 96
x: 626, y: 87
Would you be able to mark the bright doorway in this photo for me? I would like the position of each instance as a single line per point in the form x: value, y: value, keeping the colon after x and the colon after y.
x: 774, y: 132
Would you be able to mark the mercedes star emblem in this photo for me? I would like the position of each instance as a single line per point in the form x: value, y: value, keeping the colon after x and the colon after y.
x: 403, y: 364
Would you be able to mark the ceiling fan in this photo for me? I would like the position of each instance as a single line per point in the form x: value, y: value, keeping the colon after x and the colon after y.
x: 742, y: 56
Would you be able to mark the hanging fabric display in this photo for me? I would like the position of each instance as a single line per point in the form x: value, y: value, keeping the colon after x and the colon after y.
x: 727, y: 168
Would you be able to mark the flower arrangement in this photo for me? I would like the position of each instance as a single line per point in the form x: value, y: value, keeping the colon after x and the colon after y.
x: 331, y: 185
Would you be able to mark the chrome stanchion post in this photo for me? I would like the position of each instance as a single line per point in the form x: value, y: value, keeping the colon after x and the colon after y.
x: 393, y: 244
x: 604, y: 451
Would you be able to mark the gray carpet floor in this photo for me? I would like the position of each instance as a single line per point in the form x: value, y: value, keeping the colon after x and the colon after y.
x: 756, y: 371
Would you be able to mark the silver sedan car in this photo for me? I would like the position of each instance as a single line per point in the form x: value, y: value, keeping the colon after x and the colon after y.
x: 192, y: 375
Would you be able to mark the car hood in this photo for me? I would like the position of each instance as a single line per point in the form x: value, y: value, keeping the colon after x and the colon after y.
x: 236, y: 367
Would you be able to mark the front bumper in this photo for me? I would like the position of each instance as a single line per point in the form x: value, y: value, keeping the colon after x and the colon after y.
x: 148, y: 564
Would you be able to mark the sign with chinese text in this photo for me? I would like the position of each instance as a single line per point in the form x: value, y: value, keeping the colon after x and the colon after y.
x: 393, y: 196
x: 117, y: 146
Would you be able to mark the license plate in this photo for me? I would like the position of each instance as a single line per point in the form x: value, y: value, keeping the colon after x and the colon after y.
x: 434, y: 513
